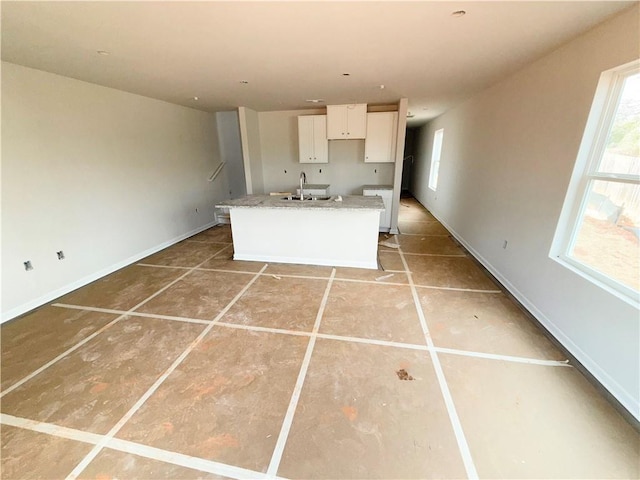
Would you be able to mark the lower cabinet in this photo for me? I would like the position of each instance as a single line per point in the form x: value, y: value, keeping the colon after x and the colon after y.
x: 387, y: 198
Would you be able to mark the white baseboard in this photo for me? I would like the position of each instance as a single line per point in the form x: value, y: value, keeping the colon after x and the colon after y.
x: 44, y: 299
x: 629, y: 402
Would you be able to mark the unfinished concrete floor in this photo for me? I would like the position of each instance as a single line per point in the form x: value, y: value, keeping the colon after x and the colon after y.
x: 192, y: 365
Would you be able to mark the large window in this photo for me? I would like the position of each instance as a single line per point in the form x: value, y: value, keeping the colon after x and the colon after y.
x: 435, y: 159
x: 599, y: 229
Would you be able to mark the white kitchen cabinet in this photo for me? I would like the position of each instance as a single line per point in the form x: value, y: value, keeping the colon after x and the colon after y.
x: 382, y: 131
x: 312, y: 139
x: 346, y: 121
x: 386, y: 192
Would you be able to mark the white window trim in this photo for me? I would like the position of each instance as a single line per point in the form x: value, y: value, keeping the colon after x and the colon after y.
x: 603, y: 109
x: 438, y: 138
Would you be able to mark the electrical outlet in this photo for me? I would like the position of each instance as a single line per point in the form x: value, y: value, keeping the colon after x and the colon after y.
x: 27, y: 265
x: 60, y: 255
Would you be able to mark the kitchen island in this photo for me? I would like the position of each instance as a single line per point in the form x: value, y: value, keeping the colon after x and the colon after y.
x: 340, y: 231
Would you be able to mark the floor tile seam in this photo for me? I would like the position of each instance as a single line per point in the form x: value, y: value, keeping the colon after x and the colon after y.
x: 169, y: 285
x: 88, y: 338
x: 133, y: 314
x: 127, y: 446
x: 62, y: 355
x: 329, y: 336
x: 174, y: 267
x: 255, y: 328
x: 285, y: 429
x: 456, y: 424
x: 503, y: 358
x: 140, y: 402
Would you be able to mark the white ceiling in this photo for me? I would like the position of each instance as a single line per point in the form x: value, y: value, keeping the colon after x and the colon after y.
x: 289, y: 52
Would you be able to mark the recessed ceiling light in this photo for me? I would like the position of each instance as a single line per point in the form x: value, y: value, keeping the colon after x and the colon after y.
x: 410, y: 115
x: 244, y: 81
x: 103, y: 52
x: 458, y: 13
x: 195, y: 98
x: 381, y: 87
x: 315, y: 100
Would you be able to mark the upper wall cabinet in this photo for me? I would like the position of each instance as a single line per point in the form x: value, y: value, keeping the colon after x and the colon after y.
x: 346, y: 121
x: 382, y: 131
x: 312, y: 139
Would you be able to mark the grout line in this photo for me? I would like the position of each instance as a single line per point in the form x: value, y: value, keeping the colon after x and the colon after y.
x: 369, y: 341
x: 93, y: 335
x: 132, y: 314
x: 506, y: 358
x: 463, y: 446
x: 342, y: 338
x: 50, y: 429
x: 162, y: 266
x: 355, y: 280
x: 116, y: 428
x: 61, y: 356
x: 252, y: 328
x: 297, y: 390
x: 126, y: 446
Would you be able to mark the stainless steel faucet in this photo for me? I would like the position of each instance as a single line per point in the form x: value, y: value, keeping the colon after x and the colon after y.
x: 303, y: 180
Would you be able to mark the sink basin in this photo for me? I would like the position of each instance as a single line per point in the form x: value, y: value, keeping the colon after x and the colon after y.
x: 310, y: 198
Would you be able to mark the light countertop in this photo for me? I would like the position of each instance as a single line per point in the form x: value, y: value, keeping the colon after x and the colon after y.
x: 377, y: 187
x: 349, y: 202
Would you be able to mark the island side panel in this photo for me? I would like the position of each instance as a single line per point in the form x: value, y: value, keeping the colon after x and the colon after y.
x: 340, y: 238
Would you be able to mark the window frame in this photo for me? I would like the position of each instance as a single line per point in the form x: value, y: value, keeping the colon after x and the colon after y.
x: 436, y: 154
x: 601, y: 116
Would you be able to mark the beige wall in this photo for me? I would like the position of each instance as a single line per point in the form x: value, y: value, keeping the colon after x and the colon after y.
x: 346, y: 171
x: 507, y: 157
x: 104, y: 175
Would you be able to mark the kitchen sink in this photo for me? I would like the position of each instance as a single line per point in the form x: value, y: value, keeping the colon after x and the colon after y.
x: 310, y: 198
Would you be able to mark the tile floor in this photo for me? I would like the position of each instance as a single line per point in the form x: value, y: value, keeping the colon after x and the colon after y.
x: 192, y: 365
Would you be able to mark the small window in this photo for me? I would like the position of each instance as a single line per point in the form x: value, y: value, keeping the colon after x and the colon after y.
x: 435, y: 159
x: 599, y: 228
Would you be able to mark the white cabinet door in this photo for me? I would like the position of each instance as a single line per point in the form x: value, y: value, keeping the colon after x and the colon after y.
x: 382, y: 131
x: 346, y: 121
x: 312, y: 139
x: 357, y: 121
x: 320, y: 142
x: 387, y: 199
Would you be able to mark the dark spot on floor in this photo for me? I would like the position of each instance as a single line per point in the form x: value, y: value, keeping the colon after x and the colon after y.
x: 403, y: 374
